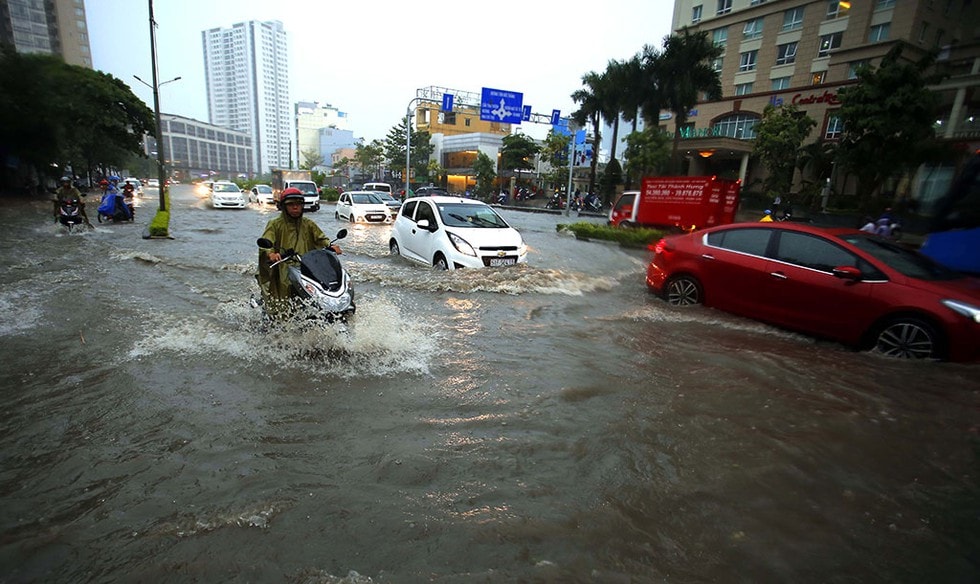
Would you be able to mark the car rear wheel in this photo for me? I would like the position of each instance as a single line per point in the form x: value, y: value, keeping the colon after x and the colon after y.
x: 908, y: 338
x: 440, y: 263
x: 393, y: 247
x: 683, y: 291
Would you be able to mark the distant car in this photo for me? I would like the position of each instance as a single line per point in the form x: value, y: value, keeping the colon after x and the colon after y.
x: 362, y: 207
x: 393, y: 203
x: 152, y: 183
x: 261, y: 194
x: 227, y: 195
x: 137, y: 185
x: 449, y: 233
x: 431, y: 192
x: 376, y: 186
x: 842, y: 284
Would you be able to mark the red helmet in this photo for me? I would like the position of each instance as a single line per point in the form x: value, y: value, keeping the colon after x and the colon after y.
x: 292, y: 193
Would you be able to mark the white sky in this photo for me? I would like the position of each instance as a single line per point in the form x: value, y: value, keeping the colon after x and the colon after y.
x: 354, y: 56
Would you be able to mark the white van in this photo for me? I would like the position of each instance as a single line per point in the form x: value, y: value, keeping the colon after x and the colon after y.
x: 377, y: 186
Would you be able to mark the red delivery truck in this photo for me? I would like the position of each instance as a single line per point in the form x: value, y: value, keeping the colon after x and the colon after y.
x: 685, y: 202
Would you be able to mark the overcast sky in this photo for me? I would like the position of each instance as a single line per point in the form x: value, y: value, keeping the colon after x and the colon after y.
x: 367, y: 57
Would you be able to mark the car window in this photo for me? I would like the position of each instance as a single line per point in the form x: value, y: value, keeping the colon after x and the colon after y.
x: 425, y: 212
x: 226, y: 189
x: 904, y: 261
x: 810, y: 251
x: 408, y: 209
x: 264, y: 189
x: 750, y: 241
x: 470, y: 215
x: 364, y: 199
x: 625, y: 201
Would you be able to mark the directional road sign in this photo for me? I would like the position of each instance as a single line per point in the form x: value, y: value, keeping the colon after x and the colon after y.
x: 497, y: 105
x: 447, y: 102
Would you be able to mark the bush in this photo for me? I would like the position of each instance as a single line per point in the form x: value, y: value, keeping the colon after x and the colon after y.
x: 329, y: 194
x: 160, y: 225
x: 637, y: 237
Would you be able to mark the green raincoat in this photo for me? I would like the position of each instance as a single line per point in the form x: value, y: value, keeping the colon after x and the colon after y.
x: 300, y: 235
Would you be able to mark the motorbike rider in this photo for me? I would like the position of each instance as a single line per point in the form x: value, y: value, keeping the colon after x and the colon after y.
x: 67, y: 193
x: 289, y: 231
x: 129, y: 197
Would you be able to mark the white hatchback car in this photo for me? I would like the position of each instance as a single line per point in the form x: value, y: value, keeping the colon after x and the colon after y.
x: 227, y: 195
x: 362, y: 207
x: 261, y: 194
x: 451, y: 232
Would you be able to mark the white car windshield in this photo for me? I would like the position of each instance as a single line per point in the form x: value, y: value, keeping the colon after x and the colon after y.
x: 470, y: 215
x: 226, y: 189
x: 365, y: 199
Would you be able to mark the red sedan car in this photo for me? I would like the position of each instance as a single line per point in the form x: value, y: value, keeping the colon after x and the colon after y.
x: 840, y: 284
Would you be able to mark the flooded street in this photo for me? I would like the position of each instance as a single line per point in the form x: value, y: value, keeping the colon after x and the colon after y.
x: 547, y: 423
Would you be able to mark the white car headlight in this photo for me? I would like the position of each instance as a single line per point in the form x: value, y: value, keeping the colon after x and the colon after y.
x: 967, y: 310
x: 461, y: 246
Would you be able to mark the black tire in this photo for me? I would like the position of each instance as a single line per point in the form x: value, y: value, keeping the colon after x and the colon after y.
x: 626, y: 224
x: 440, y: 262
x: 683, y: 291
x: 908, y: 337
x: 393, y: 248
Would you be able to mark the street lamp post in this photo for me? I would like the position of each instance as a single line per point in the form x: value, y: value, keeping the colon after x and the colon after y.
x: 156, y: 108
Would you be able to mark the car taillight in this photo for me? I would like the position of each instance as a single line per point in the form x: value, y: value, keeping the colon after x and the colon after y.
x: 659, y: 247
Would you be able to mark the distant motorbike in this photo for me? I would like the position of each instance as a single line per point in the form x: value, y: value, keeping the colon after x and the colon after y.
x: 319, y: 280
x: 502, y: 198
x: 555, y: 202
x: 592, y: 203
x: 113, y: 208
x: 69, y: 213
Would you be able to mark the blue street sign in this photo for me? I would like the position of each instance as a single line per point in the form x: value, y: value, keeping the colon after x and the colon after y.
x: 497, y: 105
x: 580, y: 137
x: 555, y: 116
x: 526, y: 116
x: 560, y: 128
x: 447, y: 102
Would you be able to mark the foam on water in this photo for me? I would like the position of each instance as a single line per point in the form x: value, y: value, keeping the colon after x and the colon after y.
x: 378, y: 340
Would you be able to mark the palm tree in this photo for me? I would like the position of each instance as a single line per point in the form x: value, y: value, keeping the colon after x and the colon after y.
x: 590, y: 112
x: 684, y: 70
x: 635, y: 88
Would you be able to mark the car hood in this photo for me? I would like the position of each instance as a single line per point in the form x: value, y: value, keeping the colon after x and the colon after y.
x: 964, y: 288
x: 488, y: 236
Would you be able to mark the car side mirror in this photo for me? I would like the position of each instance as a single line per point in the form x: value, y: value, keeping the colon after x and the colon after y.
x: 264, y: 243
x: 341, y: 234
x: 847, y: 273
x: 424, y: 224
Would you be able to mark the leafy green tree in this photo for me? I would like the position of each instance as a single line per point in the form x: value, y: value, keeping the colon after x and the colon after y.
x: 555, y: 151
x: 484, y: 168
x: 58, y: 115
x: 888, y: 123
x: 591, y: 99
x: 647, y: 153
x: 394, y: 148
x: 682, y: 73
x: 311, y: 159
x: 518, y: 152
x: 370, y: 157
x: 779, y: 136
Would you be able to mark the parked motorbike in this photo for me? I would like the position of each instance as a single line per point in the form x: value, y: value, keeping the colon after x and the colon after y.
x: 318, y: 280
x: 555, y: 202
x: 592, y: 203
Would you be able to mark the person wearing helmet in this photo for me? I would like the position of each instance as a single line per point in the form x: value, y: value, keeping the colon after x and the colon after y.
x: 289, y: 230
x: 766, y: 216
x: 67, y: 194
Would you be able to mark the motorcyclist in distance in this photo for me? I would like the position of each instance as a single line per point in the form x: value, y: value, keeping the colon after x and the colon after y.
x: 67, y: 193
x: 288, y: 231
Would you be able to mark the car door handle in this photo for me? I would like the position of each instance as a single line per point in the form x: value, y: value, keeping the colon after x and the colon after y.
x: 707, y: 256
x: 778, y: 275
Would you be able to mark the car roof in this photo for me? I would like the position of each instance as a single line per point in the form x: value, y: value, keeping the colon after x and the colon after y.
x: 448, y: 199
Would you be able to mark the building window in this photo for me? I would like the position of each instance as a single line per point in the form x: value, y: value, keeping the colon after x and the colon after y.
x: 818, y: 77
x: 786, y: 54
x: 752, y: 29
x: 922, y: 32
x: 853, y: 66
x: 747, y: 61
x: 829, y: 42
x: 743, y: 88
x: 724, y: 6
x: 835, y: 127
x: 740, y: 126
x: 756, y: 2
x: 884, y: 4
x: 717, y: 64
x: 780, y: 83
x: 793, y: 19
x: 835, y: 10
x: 719, y: 36
x: 696, y: 14
x: 879, y: 33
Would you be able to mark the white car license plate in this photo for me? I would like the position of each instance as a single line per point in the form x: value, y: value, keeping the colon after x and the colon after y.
x: 502, y: 262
